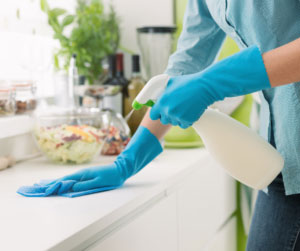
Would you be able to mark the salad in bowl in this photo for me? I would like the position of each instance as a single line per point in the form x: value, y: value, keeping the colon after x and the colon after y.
x: 71, y: 137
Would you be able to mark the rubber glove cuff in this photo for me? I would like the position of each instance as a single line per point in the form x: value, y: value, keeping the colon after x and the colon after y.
x: 239, y: 74
x: 142, y: 149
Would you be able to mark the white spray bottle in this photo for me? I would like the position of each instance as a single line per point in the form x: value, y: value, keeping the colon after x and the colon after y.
x: 243, y: 153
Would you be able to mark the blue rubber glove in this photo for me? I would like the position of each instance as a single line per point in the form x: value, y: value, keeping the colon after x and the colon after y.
x: 142, y: 149
x: 186, y: 97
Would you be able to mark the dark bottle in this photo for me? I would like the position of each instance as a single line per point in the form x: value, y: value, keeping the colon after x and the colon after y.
x: 136, y: 84
x: 120, y: 69
x: 114, y: 102
x: 120, y: 76
x: 112, y: 71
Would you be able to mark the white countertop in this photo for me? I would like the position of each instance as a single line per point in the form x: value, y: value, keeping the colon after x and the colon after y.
x: 59, y: 223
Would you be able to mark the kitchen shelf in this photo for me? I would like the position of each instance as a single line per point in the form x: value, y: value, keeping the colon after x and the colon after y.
x: 16, y: 125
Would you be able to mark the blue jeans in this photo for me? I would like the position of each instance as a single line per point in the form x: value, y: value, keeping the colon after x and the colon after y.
x: 275, y: 224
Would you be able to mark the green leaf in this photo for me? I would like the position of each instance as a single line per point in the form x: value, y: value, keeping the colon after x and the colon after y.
x: 57, y: 12
x: 54, y: 24
x: 56, y: 61
x: 64, y: 42
x: 44, y: 5
x: 93, y: 35
x: 68, y: 20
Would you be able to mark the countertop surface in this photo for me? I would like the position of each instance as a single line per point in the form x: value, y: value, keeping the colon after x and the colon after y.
x: 59, y: 223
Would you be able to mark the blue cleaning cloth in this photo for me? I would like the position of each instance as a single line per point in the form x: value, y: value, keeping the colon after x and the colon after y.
x: 63, y: 188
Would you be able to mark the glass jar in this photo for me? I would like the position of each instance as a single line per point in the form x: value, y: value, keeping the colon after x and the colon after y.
x: 25, y: 97
x: 116, y: 131
x: 7, y: 101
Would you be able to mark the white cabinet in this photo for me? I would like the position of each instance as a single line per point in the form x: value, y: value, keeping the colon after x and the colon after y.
x: 154, y: 229
x: 225, y: 239
x: 205, y: 200
x: 187, y: 219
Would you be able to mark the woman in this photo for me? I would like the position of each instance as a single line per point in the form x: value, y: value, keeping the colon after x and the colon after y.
x: 267, y: 32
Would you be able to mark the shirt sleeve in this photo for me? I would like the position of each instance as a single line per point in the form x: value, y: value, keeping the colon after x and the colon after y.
x: 199, y: 42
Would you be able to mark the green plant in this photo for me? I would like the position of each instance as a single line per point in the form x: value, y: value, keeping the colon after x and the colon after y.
x: 94, y: 34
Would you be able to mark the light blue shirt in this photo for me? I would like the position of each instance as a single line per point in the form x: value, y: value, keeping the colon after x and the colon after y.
x: 267, y: 24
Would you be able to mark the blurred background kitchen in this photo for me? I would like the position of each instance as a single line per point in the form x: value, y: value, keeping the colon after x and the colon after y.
x: 93, y: 57
x: 45, y: 45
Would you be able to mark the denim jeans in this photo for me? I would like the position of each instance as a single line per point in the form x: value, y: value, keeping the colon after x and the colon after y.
x: 275, y: 224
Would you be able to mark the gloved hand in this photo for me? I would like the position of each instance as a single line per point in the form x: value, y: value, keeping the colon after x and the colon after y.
x: 142, y: 149
x: 186, y: 97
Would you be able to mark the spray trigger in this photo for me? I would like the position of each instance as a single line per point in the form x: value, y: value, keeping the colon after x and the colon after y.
x: 137, y: 106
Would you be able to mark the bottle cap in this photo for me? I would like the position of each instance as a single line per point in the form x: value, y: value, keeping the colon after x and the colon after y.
x: 136, y: 63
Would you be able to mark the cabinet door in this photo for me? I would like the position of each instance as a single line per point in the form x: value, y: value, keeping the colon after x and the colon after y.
x: 154, y: 229
x: 205, y: 201
x: 225, y: 240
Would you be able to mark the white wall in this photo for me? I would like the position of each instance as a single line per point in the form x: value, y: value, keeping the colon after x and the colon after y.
x: 137, y: 13
x: 26, y: 42
x: 32, y: 19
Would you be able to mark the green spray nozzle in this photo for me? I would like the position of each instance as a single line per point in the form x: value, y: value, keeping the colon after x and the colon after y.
x: 151, y: 91
x: 137, y: 106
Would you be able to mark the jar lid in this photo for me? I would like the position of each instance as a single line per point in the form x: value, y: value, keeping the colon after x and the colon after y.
x: 25, y: 85
x: 6, y: 89
x: 21, y: 84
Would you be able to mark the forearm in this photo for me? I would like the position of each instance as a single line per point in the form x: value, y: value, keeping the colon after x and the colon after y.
x: 283, y: 64
x: 154, y: 126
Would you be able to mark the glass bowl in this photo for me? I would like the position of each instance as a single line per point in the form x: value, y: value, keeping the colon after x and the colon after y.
x: 71, y: 136
x: 78, y: 136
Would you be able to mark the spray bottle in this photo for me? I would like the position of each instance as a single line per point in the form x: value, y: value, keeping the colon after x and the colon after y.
x: 245, y: 155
